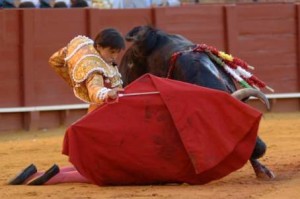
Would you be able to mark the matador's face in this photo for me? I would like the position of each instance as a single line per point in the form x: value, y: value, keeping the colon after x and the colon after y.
x: 108, y: 54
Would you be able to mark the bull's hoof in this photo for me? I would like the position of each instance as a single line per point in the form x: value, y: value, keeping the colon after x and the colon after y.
x: 264, y: 173
x: 261, y: 171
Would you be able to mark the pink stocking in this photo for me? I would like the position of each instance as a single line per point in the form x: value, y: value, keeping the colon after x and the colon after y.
x: 67, y: 168
x: 68, y: 177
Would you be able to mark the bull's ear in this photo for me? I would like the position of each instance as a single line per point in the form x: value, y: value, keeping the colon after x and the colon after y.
x: 135, y: 34
x: 131, y: 35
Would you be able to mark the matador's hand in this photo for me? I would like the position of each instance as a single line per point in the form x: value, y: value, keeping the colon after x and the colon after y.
x: 113, y: 93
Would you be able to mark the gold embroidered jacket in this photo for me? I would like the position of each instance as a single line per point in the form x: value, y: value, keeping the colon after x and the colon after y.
x: 80, y: 65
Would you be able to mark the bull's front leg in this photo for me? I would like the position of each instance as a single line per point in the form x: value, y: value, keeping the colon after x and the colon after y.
x: 260, y: 170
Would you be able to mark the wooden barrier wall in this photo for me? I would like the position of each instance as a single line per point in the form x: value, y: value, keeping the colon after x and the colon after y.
x: 265, y: 35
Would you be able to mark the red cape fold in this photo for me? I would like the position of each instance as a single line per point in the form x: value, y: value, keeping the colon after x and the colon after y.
x: 186, y: 133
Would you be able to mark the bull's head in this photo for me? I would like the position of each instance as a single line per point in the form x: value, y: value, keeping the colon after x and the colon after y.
x: 144, y: 39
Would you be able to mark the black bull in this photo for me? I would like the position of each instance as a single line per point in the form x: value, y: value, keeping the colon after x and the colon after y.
x: 151, y: 52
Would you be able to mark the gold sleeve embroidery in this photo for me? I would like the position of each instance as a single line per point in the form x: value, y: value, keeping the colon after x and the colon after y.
x: 57, y: 62
x: 94, y: 83
x: 57, y: 59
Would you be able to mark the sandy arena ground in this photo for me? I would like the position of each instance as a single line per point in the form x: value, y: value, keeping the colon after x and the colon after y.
x: 280, y: 131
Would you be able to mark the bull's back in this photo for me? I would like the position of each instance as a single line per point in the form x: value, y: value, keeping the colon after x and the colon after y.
x: 197, y: 68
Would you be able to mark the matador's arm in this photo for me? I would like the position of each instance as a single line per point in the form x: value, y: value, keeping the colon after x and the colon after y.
x: 97, y: 91
x: 57, y: 62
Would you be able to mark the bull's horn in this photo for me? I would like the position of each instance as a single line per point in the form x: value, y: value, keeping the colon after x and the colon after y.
x: 248, y: 92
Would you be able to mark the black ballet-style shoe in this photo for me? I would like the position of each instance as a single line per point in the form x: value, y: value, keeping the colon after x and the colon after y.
x: 23, y: 175
x: 46, y: 176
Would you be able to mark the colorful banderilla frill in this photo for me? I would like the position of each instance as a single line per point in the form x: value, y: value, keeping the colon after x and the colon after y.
x: 234, y: 66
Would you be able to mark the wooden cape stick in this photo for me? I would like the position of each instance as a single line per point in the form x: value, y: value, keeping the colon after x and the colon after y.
x: 137, y: 94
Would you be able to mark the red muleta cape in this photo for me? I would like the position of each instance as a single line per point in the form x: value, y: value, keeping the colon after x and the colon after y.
x: 186, y: 133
